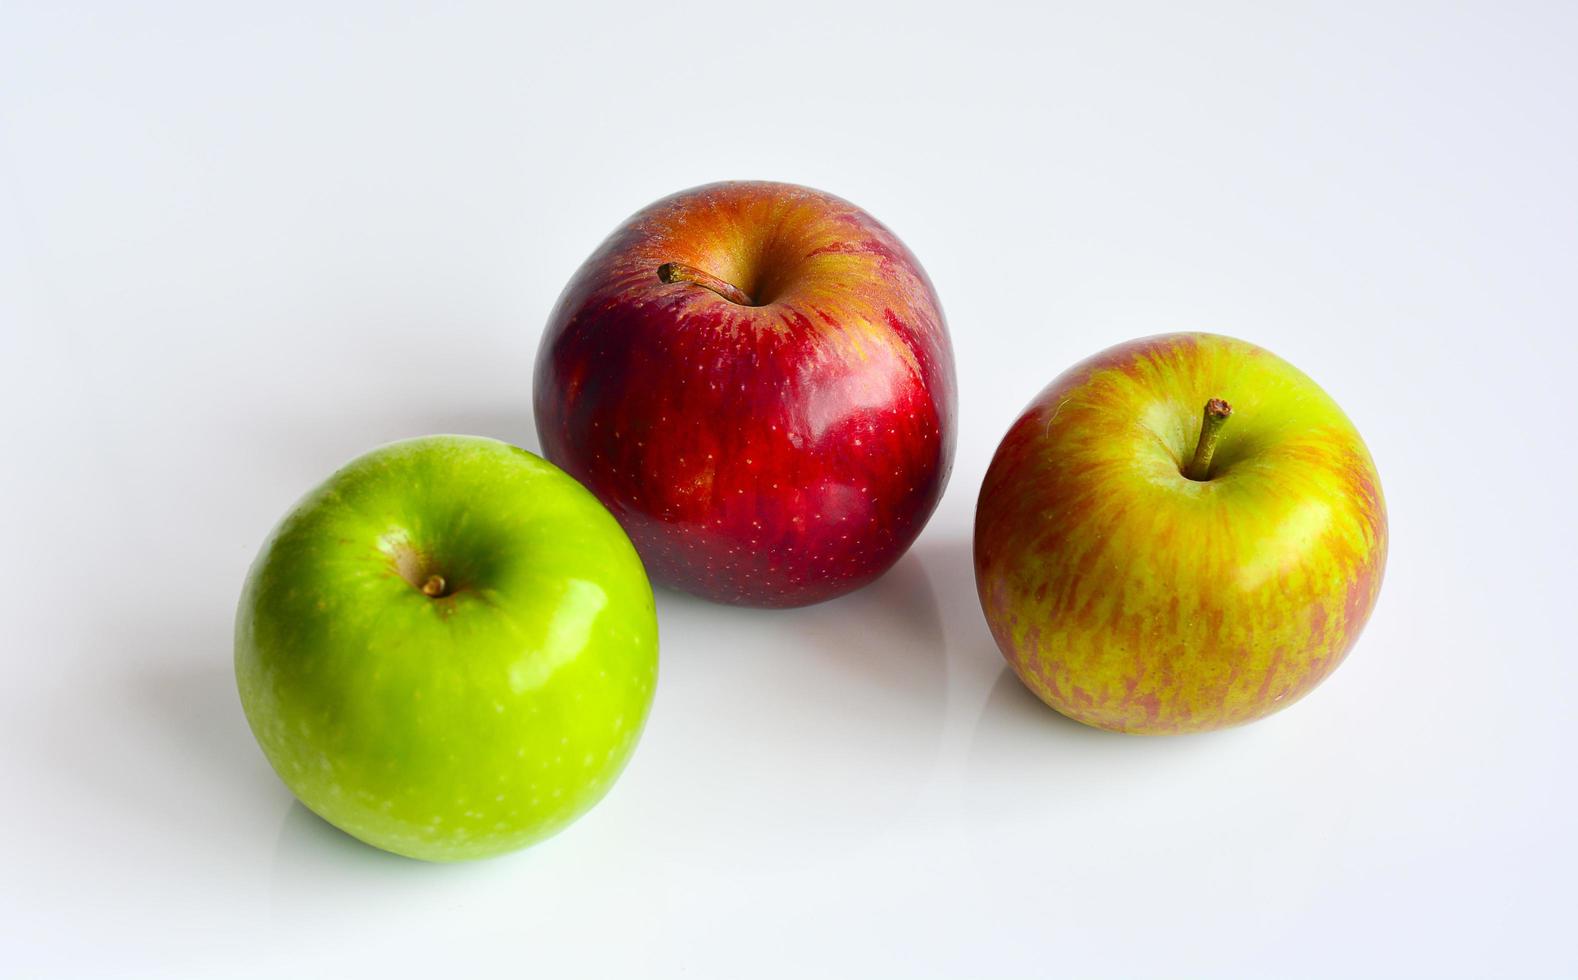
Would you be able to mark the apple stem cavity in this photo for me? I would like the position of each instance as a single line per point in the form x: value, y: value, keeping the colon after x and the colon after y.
x: 1217, y: 412
x: 435, y: 586
x: 672, y: 272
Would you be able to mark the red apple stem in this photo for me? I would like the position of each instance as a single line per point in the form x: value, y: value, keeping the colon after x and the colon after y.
x: 677, y: 272
x: 1217, y: 412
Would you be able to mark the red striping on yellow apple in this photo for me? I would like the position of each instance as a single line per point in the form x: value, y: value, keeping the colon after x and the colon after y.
x: 1132, y: 587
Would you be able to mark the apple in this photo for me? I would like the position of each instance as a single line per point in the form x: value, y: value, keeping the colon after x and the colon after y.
x: 1179, y: 534
x: 447, y: 649
x: 757, y: 380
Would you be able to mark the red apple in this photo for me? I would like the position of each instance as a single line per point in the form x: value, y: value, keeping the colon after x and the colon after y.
x: 756, y: 379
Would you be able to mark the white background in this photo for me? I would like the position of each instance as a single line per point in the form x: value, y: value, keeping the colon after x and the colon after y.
x: 240, y: 246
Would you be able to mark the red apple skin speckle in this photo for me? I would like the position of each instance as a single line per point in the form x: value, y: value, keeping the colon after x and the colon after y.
x: 776, y: 454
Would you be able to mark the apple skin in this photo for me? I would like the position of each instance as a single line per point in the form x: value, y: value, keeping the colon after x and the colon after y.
x: 1132, y: 598
x: 468, y: 724
x: 770, y: 455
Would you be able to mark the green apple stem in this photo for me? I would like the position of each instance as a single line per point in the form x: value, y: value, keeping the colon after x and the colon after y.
x: 1217, y: 412
x: 677, y: 272
x: 435, y: 586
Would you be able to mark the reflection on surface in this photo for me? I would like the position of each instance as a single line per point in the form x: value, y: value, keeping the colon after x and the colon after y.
x: 1012, y: 703
x: 1016, y: 732
x: 308, y: 840
x: 888, y: 634
x: 822, y: 722
x: 320, y: 871
x: 310, y: 847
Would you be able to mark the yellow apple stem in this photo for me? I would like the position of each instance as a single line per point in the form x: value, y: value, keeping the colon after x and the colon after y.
x: 676, y: 272
x: 1216, y: 413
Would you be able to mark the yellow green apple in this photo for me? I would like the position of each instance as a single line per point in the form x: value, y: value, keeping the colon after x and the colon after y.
x: 1179, y: 534
x: 447, y: 649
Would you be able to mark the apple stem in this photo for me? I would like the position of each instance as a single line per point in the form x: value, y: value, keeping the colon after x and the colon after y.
x: 434, y: 586
x: 677, y: 272
x: 1217, y: 412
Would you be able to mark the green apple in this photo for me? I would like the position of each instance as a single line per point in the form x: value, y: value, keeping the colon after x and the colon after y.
x: 1148, y: 565
x: 448, y: 649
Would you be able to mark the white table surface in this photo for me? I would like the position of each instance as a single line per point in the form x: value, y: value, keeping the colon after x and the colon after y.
x: 240, y: 246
